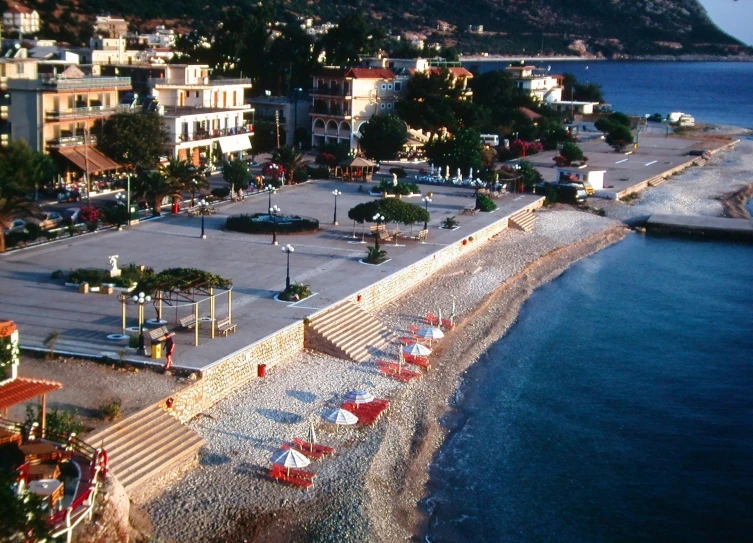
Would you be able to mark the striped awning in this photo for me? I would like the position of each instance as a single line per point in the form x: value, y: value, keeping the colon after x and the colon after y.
x: 233, y: 144
x: 25, y: 388
x: 87, y: 158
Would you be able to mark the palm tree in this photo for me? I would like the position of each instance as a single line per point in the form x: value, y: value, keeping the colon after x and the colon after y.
x: 185, y: 177
x: 290, y: 159
x: 153, y: 187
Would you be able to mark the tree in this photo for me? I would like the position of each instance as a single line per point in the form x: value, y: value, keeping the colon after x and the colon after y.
x: 153, y: 187
x: 588, y: 92
x: 571, y: 152
x: 619, y: 137
x: 393, y: 209
x: 23, y: 518
x: 530, y: 174
x: 136, y: 140
x: 462, y: 150
x: 235, y: 173
x: 183, y: 176
x: 21, y: 170
x: 351, y: 39
x: 383, y: 137
x: 290, y: 159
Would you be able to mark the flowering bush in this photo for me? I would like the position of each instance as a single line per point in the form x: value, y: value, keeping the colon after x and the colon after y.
x: 90, y: 214
x: 8, y: 356
x: 327, y: 159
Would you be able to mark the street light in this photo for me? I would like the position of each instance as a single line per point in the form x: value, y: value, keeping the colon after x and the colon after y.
x: 378, y: 218
x: 270, y: 189
x: 288, y: 249
x: 203, y: 211
x: 120, y: 200
x: 274, y: 210
x: 335, y: 193
x: 141, y: 299
x: 427, y: 201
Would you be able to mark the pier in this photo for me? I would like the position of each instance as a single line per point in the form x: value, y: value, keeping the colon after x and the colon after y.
x: 710, y: 227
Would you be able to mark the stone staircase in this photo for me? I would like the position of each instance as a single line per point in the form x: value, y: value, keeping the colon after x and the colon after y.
x: 146, y: 444
x: 346, y: 332
x: 523, y: 220
x: 656, y: 181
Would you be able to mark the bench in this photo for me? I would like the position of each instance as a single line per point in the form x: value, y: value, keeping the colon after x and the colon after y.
x: 469, y: 210
x: 224, y: 326
x: 421, y: 236
x: 158, y: 335
x: 376, y: 228
x: 188, y: 322
x: 384, y: 235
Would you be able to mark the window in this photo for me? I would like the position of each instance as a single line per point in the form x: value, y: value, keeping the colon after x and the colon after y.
x: 389, y: 86
x: 196, y: 94
x: 398, y: 86
x: 389, y: 106
x: 382, y: 105
x: 384, y: 86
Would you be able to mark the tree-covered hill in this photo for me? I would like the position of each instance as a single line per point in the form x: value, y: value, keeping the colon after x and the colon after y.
x: 588, y: 27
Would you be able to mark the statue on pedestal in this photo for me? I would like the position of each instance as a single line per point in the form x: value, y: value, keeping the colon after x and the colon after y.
x: 114, y: 270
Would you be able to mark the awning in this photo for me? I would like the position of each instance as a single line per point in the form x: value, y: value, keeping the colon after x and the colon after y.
x: 233, y: 144
x: 86, y: 155
x: 25, y: 388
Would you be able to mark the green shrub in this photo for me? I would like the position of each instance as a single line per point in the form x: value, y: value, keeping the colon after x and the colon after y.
x: 92, y: 226
x: 400, y: 172
x: 50, y: 235
x: 321, y: 172
x: 58, y: 422
x: 375, y: 255
x: 96, y: 276
x: 300, y: 175
x: 221, y: 192
x: 295, y: 292
x: 12, y: 239
x: 450, y: 222
x: 485, y: 203
x: 258, y: 224
x: 34, y: 230
x: 401, y: 188
x: 111, y: 410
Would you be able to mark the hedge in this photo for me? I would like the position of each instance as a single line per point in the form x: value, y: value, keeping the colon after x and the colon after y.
x: 286, y: 224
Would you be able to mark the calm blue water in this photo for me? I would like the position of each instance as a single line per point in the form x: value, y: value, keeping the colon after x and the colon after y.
x: 715, y: 92
x: 618, y: 408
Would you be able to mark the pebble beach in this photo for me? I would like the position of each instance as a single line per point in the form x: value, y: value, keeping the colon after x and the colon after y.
x: 372, y: 489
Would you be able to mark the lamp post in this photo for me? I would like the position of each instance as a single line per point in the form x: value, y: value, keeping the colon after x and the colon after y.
x: 203, y: 211
x: 274, y: 210
x: 296, y: 94
x: 378, y: 218
x: 120, y: 200
x: 427, y: 201
x: 270, y: 189
x: 288, y: 249
x: 335, y: 193
x: 141, y: 299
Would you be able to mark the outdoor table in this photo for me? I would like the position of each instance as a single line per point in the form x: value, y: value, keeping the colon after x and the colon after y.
x: 48, y: 488
x: 39, y: 451
x: 45, y: 470
x: 10, y: 437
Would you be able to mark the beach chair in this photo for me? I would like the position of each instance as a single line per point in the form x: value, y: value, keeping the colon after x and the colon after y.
x: 447, y: 324
x: 432, y: 319
x: 413, y: 329
x: 313, y: 446
x: 313, y: 454
x: 421, y: 361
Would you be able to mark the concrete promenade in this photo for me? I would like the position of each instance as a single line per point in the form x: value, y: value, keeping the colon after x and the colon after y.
x: 717, y: 227
x: 328, y: 261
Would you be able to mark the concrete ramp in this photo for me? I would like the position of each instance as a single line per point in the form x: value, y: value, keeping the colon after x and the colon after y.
x: 712, y: 227
x: 348, y: 332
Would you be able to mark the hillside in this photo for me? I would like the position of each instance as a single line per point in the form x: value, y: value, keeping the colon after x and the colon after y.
x: 587, y: 27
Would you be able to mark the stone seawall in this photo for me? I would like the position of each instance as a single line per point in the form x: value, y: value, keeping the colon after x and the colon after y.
x: 233, y: 372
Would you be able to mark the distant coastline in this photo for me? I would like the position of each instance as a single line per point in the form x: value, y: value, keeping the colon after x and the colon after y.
x: 467, y: 59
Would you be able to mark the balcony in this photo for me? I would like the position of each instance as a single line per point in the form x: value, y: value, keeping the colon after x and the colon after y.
x: 205, y: 84
x: 84, y: 112
x: 86, y: 83
x: 70, y: 141
x: 217, y: 133
x: 330, y: 91
x: 330, y: 112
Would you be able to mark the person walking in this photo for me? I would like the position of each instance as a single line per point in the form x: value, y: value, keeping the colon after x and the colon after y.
x: 169, y: 351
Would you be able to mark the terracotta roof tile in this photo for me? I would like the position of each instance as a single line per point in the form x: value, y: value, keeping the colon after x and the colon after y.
x: 370, y: 73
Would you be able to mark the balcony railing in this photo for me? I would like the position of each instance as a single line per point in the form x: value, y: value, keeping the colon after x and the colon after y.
x: 91, y: 111
x: 330, y: 111
x: 206, y: 82
x: 218, y: 133
x: 327, y: 91
x: 68, y: 141
x: 85, y: 82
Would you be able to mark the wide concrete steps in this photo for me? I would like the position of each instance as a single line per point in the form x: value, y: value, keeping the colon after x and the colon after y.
x: 347, y: 332
x: 146, y: 444
x: 524, y: 220
x: 656, y: 181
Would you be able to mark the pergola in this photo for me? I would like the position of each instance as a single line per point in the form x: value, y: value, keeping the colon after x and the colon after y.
x: 355, y: 168
x: 191, y: 295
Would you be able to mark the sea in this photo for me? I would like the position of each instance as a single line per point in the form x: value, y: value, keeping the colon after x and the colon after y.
x: 712, y: 92
x: 619, y: 407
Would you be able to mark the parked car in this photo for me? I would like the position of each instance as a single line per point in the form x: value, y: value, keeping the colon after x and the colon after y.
x: 47, y: 220
x: 16, y: 225
x: 69, y: 196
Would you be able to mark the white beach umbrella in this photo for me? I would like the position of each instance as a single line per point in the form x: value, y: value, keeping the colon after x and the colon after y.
x: 416, y: 349
x: 290, y: 458
x: 430, y: 333
x: 359, y: 396
x: 340, y: 417
x: 311, y: 434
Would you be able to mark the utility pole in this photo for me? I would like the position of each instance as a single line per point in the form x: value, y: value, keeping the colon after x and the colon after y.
x: 86, y: 168
x: 277, y: 126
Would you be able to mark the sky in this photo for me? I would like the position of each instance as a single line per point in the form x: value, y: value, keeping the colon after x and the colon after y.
x: 735, y: 17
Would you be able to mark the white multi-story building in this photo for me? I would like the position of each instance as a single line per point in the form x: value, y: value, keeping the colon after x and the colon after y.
x: 207, y: 119
x: 21, y: 19
x: 538, y: 84
x: 112, y: 27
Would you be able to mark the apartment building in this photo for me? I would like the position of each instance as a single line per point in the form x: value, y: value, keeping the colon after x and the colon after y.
x: 208, y: 120
x: 21, y: 19
x: 538, y: 84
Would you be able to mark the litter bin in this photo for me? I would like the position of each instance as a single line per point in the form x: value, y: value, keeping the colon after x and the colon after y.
x: 156, y: 351
x: 261, y: 370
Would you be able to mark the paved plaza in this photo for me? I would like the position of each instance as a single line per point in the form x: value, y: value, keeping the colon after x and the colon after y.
x: 328, y: 261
